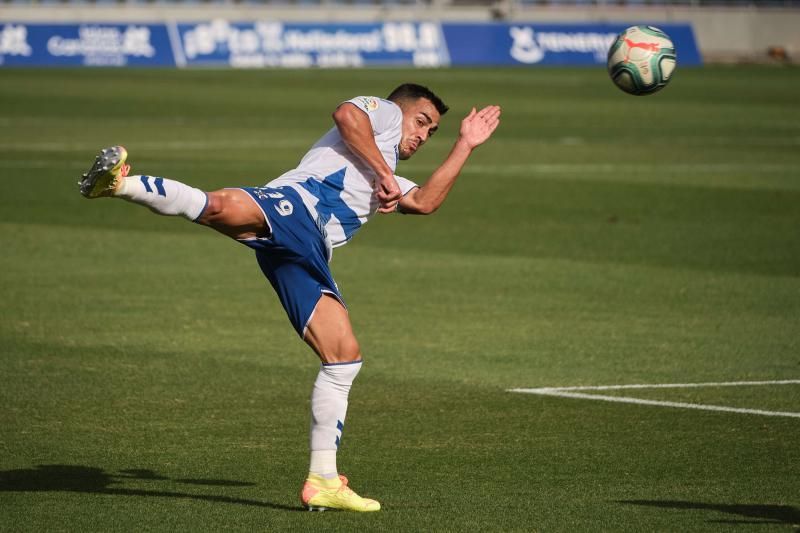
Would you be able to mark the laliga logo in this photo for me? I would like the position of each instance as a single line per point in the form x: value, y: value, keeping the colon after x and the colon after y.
x: 525, y: 48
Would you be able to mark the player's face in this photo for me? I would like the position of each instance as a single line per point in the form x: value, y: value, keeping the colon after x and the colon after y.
x: 420, y: 121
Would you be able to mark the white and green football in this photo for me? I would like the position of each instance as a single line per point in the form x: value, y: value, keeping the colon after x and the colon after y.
x: 641, y: 60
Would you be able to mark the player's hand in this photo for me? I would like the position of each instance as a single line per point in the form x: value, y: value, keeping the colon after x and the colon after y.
x: 388, y: 193
x: 478, y: 126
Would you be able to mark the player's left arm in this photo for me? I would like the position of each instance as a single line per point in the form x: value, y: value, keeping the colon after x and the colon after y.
x: 476, y: 129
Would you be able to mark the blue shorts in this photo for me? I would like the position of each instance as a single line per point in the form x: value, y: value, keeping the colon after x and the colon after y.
x: 294, y: 257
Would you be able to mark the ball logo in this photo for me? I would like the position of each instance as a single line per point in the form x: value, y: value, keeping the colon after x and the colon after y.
x: 647, y: 47
x: 652, y: 47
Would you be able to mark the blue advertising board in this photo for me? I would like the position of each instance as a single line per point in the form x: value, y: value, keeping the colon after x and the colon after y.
x: 278, y: 44
x: 91, y: 44
x: 549, y: 44
x: 221, y: 43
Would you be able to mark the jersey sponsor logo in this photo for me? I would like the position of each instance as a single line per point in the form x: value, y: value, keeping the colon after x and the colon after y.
x: 369, y: 103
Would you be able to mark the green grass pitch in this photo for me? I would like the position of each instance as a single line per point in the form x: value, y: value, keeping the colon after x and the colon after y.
x: 150, y: 380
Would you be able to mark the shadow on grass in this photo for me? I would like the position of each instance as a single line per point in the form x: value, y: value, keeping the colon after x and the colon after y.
x: 754, y: 514
x: 92, y: 480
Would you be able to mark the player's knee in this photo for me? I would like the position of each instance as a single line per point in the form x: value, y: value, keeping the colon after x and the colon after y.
x: 231, y: 212
x: 230, y: 205
x: 344, y: 350
x: 349, y: 349
x: 215, y: 207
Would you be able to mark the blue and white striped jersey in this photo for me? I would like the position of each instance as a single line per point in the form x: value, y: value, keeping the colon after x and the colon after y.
x: 335, y: 185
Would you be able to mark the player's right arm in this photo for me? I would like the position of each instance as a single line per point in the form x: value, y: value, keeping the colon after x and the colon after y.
x: 356, y: 131
x: 476, y: 129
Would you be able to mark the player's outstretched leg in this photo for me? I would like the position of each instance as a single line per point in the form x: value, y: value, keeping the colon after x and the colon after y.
x: 109, y: 177
x: 229, y: 211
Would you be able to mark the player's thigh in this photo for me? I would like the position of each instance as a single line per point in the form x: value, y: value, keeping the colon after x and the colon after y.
x: 234, y: 213
x: 330, y: 333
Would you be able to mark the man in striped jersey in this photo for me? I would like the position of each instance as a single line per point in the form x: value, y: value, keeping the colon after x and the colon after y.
x: 296, y: 220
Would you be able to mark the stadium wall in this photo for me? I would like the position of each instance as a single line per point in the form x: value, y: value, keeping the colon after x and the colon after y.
x: 723, y: 34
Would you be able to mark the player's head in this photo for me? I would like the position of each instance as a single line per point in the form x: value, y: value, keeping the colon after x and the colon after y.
x: 422, y: 110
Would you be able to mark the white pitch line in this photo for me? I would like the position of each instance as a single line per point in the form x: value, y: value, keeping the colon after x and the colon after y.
x: 567, y: 392
x: 673, y: 385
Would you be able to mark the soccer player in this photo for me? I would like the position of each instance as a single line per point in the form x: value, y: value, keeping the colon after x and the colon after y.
x: 294, y: 222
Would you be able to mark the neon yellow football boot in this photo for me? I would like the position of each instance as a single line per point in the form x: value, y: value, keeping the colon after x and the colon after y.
x: 320, y: 494
x: 104, y: 176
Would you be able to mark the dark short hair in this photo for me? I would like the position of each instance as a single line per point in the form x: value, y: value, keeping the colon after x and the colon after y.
x: 412, y: 91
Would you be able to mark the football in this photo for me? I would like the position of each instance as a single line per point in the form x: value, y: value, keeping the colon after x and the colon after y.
x: 641, y: 60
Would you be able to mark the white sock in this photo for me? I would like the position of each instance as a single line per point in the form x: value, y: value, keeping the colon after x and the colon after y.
x: 328, y: 410
x: 164, y: 196
x: 323, y: 463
